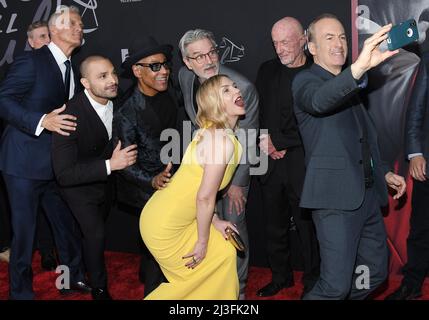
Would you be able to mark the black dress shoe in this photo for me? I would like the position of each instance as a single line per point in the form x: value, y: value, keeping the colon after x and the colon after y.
x: 48, y: 261
x: 404, y: 293
x: 79, y: 286
x: 100, y: 294
x: 273, y: 288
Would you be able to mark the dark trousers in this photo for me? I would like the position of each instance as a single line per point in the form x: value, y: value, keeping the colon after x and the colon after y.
x: 239, y: 220
x: 149, y: 271
x: 350, y: 239
x: 281, y: 194
x: 25, y: 196
x: 44, y: 236
x: 5, y: 232
x: 418, y: 239
x: 91, y: 218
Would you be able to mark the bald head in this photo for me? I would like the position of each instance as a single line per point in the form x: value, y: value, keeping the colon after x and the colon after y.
x: 85, y: 65
x: 289, y: 40
x: 288, y: 24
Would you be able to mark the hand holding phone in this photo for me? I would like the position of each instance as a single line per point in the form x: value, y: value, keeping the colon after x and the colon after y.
x: 402, y: 34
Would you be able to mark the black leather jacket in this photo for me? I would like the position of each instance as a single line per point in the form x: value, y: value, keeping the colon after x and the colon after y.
x: 133, y: 124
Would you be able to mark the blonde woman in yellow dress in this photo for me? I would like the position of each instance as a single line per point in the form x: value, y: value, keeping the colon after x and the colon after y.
x: 178, y: 224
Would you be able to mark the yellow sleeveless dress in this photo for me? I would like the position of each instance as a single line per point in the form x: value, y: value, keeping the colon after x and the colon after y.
x: 168, y: 227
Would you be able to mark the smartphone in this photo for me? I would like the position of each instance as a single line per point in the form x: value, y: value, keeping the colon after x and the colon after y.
x: 402, y: 34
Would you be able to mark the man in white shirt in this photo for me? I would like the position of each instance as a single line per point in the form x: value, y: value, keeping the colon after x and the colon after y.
x: 32, y: 96
x: 84, y: 160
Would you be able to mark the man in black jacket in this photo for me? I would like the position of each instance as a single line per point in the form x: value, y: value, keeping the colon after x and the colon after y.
x: 417, y: 150
x: 148, y: 111
x: 84, y: 160
x: 282, y: 184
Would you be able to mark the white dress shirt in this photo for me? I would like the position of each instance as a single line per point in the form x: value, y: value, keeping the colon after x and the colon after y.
x: 105, y: 112
x: 59, y: 57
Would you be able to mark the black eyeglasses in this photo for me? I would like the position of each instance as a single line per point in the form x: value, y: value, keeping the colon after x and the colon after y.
x: 156, y: 66
x: 212, y: 54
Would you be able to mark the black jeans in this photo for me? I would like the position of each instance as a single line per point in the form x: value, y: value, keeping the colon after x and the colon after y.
x: 418, y: 239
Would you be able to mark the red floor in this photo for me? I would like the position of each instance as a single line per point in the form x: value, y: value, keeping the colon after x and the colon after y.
x: 124, y: 283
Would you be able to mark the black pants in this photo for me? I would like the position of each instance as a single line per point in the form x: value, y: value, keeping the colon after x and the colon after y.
x: 418, y: 239
x: 91, y: 218
x: 149, y: 271
x: 281, y: 194
x: 5, y: 227
x: 44, y: 237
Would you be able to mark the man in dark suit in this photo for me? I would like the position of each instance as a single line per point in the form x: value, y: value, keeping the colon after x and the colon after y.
x: 201, y: 58
x: 150, y: 109
x: 84, y: 161
x: 37, y: 37
x: 417, y: 151
x: 345, y: 181
x: 282, y: 184
x: 5, y: 228
x: 36, y: 86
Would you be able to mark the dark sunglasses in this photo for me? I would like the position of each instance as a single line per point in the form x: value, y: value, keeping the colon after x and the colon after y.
x: 156, y: 66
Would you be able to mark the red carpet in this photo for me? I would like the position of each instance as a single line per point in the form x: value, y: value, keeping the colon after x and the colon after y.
x: 124, y: 284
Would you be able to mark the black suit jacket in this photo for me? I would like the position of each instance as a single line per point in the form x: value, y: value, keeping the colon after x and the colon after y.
x: 79, y: 159
x: 276, y: 109
x: 326, y: 108
x: 417, y: 123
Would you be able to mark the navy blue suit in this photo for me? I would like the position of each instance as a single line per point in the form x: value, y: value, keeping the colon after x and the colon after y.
x: 33, y: 87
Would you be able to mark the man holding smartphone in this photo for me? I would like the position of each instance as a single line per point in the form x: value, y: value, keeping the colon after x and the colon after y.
x: 345, y: 181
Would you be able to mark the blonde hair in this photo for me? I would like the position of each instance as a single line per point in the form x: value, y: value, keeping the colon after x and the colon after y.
x: 210, y: 104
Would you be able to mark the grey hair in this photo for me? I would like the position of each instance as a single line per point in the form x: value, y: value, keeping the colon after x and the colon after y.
x: 191, y: 36
x: 60, y: 10
x: 311, y: 30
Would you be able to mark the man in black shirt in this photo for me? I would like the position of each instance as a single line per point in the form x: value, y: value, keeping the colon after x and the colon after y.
x: 282, y: 184
x: 150, y: 109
